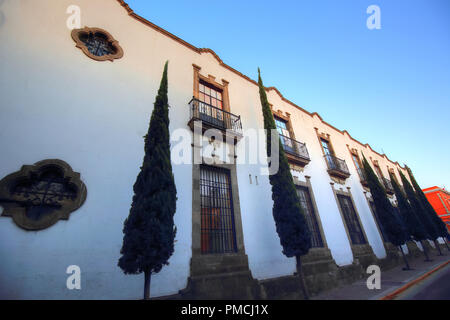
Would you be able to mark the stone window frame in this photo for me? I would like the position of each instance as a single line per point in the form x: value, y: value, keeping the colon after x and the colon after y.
x: 287, y: 119
x: 196, y: 207
x: 354, y: 152
x: 376, y: 165
x: 308, y: 185
x: 211, y: 80
x: 326, y: 137
x: 18, y: 212
x: 392, y: 170
x: 206, y: 264
x: 349, y: 194
x: 80, y: 44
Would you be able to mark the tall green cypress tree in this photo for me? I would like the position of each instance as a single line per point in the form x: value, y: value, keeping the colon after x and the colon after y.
x: 149, y: 230
x: 412, y: 223
x: 413, y: 227
x: 389, y: 220
x: 438, y: 223
x: 291, y: 226
x: 418, y: 211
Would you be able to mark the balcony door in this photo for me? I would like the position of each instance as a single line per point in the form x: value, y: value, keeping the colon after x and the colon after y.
x: 328, y: 154
x: 359, y: 167
x: 285, y: 135
x: 211, y: 104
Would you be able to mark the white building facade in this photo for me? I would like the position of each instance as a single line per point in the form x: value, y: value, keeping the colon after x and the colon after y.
x: 64, y: 109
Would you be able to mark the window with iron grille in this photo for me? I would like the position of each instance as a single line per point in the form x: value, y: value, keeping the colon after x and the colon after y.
x: 351, y: 220
x: 217, y: 215
x: 377, y: 218
x: 311, y: 220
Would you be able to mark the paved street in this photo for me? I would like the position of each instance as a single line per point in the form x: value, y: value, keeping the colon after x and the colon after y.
x: 434, y: 287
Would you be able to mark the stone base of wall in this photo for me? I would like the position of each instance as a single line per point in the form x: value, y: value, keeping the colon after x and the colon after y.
x: 363, y: 255
x: 430, y: 249
x: 282, y: 288
x: 225, y: 276
x: 444, y: 248
x: 230, y: 286
x: 413, y: 250
x: 231, y: 279
x: 320, y: 272
x: 288, y: 287
x: 393, y: 257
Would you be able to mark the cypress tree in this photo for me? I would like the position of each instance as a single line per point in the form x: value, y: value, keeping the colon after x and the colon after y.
x: 417, y: 208
x: 438, y: 223
x: 413, y: 227
x: 389, y: 220
x: 291, y: 226
x: 149, y: 230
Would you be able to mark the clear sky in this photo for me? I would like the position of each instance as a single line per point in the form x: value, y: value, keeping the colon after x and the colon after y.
x: 388, y: 87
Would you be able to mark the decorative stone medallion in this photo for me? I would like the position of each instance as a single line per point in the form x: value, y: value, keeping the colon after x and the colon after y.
x: 39, y: 195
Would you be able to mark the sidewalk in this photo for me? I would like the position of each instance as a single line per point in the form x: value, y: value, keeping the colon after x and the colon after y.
x: 391, y: 280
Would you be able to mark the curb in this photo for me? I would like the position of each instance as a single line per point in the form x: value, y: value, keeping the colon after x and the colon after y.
x: 398, y: 291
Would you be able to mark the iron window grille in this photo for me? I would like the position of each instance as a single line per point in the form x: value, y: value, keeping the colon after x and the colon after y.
x: 218, y: 233
x: 311, y: 220
x: 351, y: 220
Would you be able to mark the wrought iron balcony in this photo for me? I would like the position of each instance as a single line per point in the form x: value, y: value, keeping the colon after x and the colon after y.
x: 388, y: 185
x: 213, y: 117
x: 337, y: 167
x: 296, y: 151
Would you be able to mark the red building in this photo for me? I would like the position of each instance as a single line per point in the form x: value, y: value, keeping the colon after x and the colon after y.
x: 440, y: 200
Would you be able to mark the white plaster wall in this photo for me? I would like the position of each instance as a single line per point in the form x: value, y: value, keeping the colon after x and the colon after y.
x: 58, y: 103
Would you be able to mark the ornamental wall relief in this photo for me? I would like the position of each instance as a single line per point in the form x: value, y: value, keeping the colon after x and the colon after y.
x: 39, y: 195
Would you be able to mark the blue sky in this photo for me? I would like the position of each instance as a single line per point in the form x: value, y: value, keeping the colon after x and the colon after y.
x: 389, y: 87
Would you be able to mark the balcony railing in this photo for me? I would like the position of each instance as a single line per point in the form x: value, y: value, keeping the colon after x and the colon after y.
x: 337, y: 166
x: 214, y: 117
x: 388, y: 185
x: 295, y: 148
